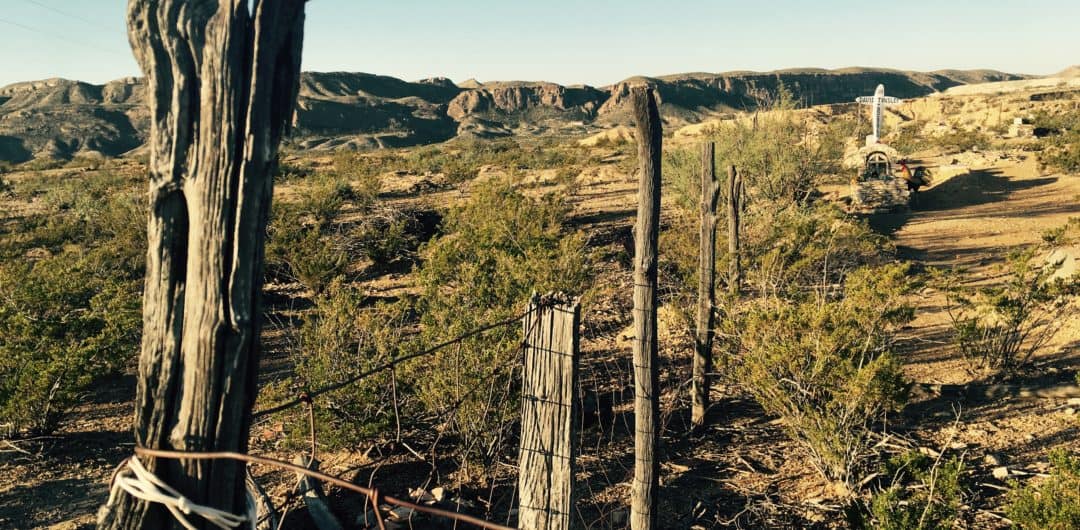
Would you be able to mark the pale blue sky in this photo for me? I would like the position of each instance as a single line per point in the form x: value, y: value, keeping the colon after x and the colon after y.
x: 588, y: 41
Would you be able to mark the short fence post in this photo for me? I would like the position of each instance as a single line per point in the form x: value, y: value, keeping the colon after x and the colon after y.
x: 549, y: 410
x: 703, y: 332
x: 735, y: 204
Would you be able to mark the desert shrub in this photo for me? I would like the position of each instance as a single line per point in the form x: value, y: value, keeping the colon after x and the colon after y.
x: 91, y: 162
x: 360, y: 173
x: 340, y: 338
x: 302, y: 241
x: 1063, y: 152
x: 298, y: 248
x: 825, y: 365
x: 795, y: 250
x: 41, y: 164
x: 1061, y: 146
x: 385, y: 236
x: 1052, y: 503
x: 71, y: 314
x: 777, y: 152
x: 999, y: 327
x: 909, y: 139
x: 493, y: 251
x: 924, y: 495
x: 461, y: 160
x: 958, y: 141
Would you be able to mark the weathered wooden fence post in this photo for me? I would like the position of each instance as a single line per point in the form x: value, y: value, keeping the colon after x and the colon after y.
x: 643, y: 496
x: 734, y: 208
x: 549, y: 414
x: 221, y: 87
x: 710, y: 193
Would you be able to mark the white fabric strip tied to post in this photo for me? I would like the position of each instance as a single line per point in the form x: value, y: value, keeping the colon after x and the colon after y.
x: 143, y: 484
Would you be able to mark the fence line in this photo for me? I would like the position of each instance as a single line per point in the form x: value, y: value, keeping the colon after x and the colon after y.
x: 372, y: 494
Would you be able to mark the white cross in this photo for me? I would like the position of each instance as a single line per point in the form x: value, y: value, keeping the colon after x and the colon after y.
x: 878, y: 101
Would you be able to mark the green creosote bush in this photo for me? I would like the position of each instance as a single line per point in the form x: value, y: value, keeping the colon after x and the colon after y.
x: 959, y: 141
x: 909, y: 139
x: 780, y: 156
x: 303, y: 241
x: 385, y: 236
x: 795, y: 250
x: 1051, y: 503
x: 493, y: 251
x: 461, y: 160
x: 1061, y: 150
x: 999, y: 327
x: 825, y: 365
x: 70, y: 313
x: 924, y: 494
x: 344, y: 337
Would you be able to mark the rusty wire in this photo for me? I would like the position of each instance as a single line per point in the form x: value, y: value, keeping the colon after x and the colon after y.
x: 372, y: 494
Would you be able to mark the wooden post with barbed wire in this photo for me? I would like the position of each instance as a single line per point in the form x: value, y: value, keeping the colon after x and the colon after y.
x: 550, y: 406
x: 222, y: 84
x: 646, y: 484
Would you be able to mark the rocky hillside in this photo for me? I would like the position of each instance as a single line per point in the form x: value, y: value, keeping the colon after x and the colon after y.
x: 58, y: 118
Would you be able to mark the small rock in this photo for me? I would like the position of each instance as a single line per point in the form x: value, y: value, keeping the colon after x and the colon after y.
x: 993, y: 459
x: 958, y: 446
x: 439, y: 493
x: 1001, y: 473
x: 1073, y: 402
x: 1070, y: 411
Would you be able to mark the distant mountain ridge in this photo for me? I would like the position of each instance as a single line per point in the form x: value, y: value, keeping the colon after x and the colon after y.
x: 59, y: 118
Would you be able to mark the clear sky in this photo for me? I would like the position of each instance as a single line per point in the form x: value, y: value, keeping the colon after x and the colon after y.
x: 587, y: 41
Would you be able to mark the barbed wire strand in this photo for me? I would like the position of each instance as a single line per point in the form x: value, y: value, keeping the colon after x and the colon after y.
x: 372, y: 494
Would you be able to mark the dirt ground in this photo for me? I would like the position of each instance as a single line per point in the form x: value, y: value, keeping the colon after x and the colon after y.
x: 741, y: 472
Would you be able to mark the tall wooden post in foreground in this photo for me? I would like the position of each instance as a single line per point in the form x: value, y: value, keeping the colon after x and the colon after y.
x: 549, y: 414
x: 222, y: 84
x: 643, y: 496
x: 710, y: 194
x: 734, y: 210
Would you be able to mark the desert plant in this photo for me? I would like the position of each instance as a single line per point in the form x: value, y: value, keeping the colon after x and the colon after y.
x: 62, y: 325
x: 958, y: 141
x: 493, y: 251
x: 301, y: 250
x: 1061, y: 144
x: 777, y: 152
x: 385, y: 235
x: 924, y: 494
x: 999, y: 327
x: 1052, y: 503
x: 71, y: 280
x: 825, y: 366
x: 361, y: 173
x: 341, y: 337
x: 795, y: 250
x: 303, y: 240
